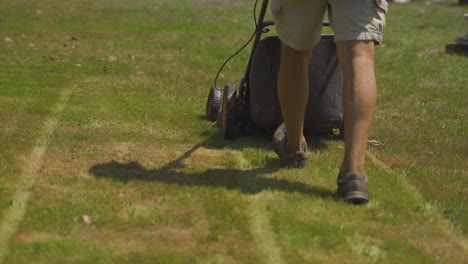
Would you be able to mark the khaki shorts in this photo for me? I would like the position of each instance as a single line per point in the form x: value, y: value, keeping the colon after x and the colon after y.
x: 299, y: 22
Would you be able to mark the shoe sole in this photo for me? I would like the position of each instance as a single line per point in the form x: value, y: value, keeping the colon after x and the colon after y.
x: 357, y: 197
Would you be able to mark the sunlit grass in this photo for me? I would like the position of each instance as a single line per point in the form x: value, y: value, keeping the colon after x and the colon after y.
x: 133, y: 173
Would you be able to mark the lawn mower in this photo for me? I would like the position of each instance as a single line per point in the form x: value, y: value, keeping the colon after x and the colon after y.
x: 252, y: 106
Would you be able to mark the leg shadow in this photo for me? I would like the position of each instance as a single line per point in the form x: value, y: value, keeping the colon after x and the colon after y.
x: 247, y: 181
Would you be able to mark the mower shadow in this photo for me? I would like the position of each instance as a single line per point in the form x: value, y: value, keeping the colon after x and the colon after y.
x: 260, y: 140
x: 247, y: 181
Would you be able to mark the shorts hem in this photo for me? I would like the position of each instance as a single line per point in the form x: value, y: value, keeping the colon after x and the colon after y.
x: 293, y: 45
x: 350, y: 36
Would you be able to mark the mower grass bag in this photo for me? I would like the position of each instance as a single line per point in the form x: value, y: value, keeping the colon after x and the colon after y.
x: 324, y: 111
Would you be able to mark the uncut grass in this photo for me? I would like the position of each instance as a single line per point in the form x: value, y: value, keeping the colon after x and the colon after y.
x: 371, y: 234
x: 116, y: 157
x: 421, y: 85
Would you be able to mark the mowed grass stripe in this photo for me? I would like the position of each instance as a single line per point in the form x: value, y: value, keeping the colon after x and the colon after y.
x: 261, y: 228
x: 20, y: 199
x: 260, y: 223
x: 430, y: 209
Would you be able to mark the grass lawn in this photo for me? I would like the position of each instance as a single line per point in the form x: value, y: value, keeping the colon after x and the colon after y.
x: 106, y: 157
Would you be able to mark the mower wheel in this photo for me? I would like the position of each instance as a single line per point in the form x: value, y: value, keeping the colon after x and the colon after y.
x: 213, y: 104
x: 229, y: 127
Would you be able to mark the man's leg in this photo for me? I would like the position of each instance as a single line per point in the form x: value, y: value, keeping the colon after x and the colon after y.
x: 359, y: 100
x: 299, y: 25
x: 293, y: 92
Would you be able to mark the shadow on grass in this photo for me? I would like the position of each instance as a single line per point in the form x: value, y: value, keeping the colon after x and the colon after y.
x: 246, y: 181
x: 260, y: 140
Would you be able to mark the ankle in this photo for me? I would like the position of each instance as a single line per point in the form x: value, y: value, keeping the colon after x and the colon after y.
x: 292, y: 147
x: 347, y: 169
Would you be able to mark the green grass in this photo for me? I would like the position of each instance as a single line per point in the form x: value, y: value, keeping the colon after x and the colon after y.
x: 114, y: 93
x: 422, y: 86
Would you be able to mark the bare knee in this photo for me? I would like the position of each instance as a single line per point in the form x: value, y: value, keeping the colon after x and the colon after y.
x: 356, y: 56
x: 357, y: 63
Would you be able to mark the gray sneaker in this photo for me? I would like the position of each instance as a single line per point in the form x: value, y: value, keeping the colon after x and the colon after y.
x: 289, y: 160
x: 353, y: 188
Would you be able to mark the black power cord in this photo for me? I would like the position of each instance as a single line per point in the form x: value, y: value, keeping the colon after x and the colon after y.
x: 242, y: 48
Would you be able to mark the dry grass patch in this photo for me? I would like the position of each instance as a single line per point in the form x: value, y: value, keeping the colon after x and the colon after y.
x: 157, y: 238
x: 33, y: 237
